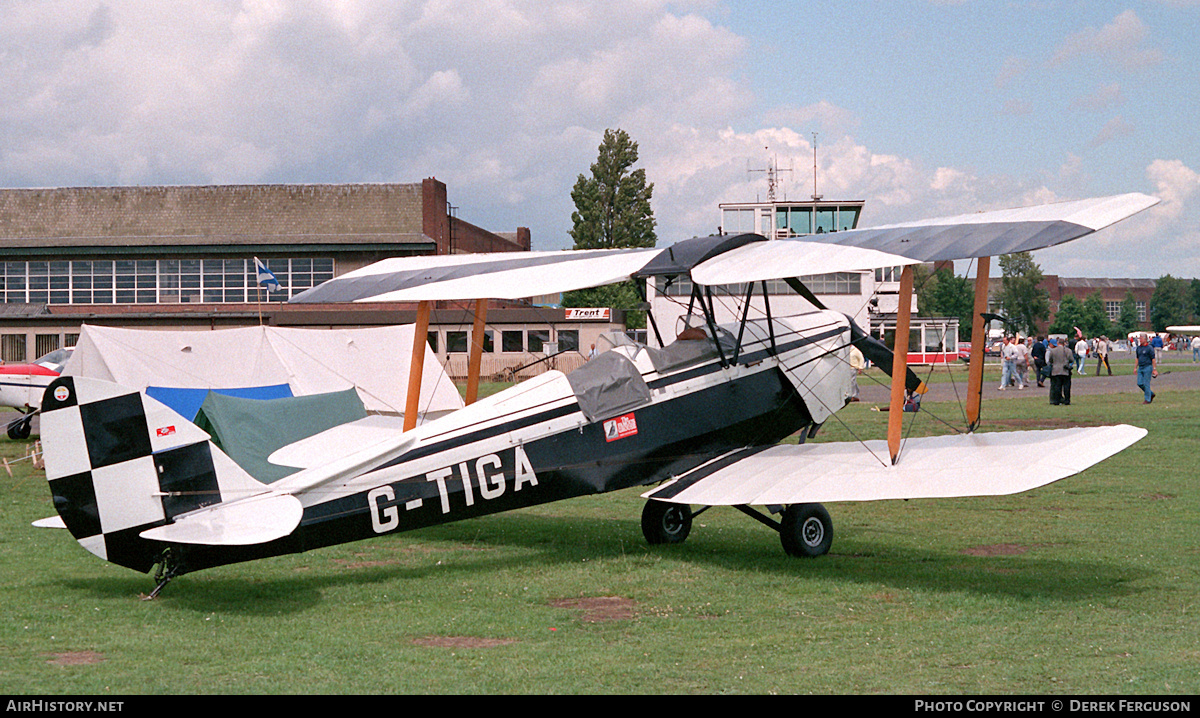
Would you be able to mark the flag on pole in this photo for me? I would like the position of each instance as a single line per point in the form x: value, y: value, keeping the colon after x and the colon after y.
x: 266, y: 277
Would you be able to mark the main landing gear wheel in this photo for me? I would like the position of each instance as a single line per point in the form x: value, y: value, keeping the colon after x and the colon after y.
x: 20, y: 428
x: 664, y: 522
x: 806, y: 530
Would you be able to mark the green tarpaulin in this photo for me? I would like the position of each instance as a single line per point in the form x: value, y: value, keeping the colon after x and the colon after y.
x: 248, y: 430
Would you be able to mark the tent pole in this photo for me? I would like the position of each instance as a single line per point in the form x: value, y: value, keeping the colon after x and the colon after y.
x: 481, y: 307
x: 978, y: 345
x: 900, y: 361
x: 417, y: 366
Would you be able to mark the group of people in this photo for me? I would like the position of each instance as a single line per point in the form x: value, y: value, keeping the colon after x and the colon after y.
x: 1056, y: 360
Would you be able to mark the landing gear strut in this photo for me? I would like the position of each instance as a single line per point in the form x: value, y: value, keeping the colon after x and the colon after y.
x: 168, y: 568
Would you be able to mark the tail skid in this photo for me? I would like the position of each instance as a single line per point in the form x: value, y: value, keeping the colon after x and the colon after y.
x: 128, y: 475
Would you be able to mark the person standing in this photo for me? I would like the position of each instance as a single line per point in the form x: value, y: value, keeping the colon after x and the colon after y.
x: 1008, y: 362
x: 1081, y: 351
x: 1058, y: 364
x: 1022, y: 362
x: 1147, y: 367
x: 1196, y: 349
x: 1102, y: 355
x: 1038, y: 352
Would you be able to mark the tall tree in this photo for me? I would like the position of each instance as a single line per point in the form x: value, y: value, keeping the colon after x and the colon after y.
x: 1026, y: 304
x: 1170, y: 304
x: 612, y: 207
x: 612, y: 210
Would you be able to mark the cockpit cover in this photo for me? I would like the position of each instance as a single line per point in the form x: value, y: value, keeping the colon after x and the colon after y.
x: 608, y: 385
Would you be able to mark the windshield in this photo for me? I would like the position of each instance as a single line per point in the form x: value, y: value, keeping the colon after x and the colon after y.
x: 55, y: 359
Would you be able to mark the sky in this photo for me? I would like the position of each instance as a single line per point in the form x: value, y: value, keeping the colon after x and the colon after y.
x: 921, y: 108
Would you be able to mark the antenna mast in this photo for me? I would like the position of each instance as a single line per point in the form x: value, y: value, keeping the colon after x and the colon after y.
x: 772, y: 172
x: 816, y: 197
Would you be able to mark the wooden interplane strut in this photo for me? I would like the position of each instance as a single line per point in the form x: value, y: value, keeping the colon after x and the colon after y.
x: 900, y: 361
x: 417, y: 366
x: 978, y: 345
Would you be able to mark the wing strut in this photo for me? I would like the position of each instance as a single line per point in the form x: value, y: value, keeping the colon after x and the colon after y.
x: 900, y: 361
x: 417, y: 366
x: 978, y: 344
x: 481, y: 306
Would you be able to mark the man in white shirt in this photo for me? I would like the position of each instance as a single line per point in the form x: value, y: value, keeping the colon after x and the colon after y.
x: 1196, y: 349
x: 1081, y: 351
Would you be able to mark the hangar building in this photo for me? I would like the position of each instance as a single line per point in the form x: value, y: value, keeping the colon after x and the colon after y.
x: 182, y: 257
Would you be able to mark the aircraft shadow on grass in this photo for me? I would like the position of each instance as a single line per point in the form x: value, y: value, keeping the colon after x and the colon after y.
x: 480, y: 549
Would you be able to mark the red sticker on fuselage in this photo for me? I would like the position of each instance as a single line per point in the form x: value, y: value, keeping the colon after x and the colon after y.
x: 620, y: 427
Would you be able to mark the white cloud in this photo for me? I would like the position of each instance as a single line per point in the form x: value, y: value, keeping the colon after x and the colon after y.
x: 504, y: 100
x: 1177, y: 185
x: 1123, y: 42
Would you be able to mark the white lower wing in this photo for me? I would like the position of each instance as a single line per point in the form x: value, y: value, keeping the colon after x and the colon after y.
x: 988, y: 464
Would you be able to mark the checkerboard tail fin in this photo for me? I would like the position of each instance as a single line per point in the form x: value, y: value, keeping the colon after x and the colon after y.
x: 120, y: 463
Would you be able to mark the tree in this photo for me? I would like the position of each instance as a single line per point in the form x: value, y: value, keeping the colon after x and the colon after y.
x: 1095, y: 319
x: 1170, y: 304
x: 612, y: 207
x: 1068, y: 316
x: 945, y: 295
x: 612, y: 210
x: 1127, y: 321
x: 1025, y: 303
x: 1087, y: 315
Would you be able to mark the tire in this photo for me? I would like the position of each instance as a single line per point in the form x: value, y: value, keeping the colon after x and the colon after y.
x: 664, y: 522
x: 806, y: 530
x: 19, y: 429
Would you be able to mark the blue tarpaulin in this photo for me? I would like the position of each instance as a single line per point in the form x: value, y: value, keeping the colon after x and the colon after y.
x: 187, y: 402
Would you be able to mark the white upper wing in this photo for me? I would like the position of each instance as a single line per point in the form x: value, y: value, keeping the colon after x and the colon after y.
x: 792, y: 258
x: 499, y: 275
x: 933, y: 467
x: 728, y: 259
x: 990, y: 234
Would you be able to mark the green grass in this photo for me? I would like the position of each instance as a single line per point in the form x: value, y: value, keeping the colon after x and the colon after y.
x: 1086, y: 586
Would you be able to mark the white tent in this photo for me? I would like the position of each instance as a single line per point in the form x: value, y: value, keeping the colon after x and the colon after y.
x: 374, y: 361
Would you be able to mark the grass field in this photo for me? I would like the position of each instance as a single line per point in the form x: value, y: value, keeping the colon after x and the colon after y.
x: 1086, y: 586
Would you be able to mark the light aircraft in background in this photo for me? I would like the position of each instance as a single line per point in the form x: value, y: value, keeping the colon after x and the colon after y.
x: 698, y: 420
x: 22, y: 386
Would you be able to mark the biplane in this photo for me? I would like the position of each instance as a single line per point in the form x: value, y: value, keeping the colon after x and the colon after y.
x: 697, y: 420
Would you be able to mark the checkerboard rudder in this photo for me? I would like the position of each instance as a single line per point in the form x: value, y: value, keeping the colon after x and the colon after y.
x: 119, y: 462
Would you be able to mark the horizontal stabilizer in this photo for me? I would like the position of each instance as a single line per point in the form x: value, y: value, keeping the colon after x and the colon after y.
x: 932, y: 467
x: 249, y: 521
x: 52, y: 522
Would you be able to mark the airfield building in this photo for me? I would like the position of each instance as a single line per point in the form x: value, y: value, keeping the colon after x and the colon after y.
x: 182, y: 257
